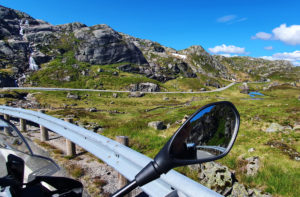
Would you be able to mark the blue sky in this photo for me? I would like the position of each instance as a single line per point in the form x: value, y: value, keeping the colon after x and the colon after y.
x: 258, y: 28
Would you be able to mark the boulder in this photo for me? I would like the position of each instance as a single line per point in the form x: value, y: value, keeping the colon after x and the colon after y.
x: 99, y: 130
x: 252, y: 166
x: 216, y: 177
x: 212, y: 83
x: 73, y: 96
x: 158, y: 125
x: 158, y: 48
x: 136, y: 94
x: 67, y: 78
x: 85, y: 72
x: 274, y: 127
x: 244, y: 88
x: 99, y: 70
x: 93, y: 109
x: 184, y: 118
x: 144, y: 87
x: 258, y: 193
x: 238, y: 190
x: 115, y: 95
x: 128, y: 68
x: 30, y: 97
x: 296, y: 126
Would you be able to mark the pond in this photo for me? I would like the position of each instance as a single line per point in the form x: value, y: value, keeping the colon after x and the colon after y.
x: 254, y: 94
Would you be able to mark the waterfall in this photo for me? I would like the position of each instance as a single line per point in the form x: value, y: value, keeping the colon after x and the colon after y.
x: 21, y: 28
x: 22, y: 25
x: 32, y: 64
x: 21, y: 31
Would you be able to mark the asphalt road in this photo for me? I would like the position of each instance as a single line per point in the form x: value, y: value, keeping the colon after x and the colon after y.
x: 95, y: 90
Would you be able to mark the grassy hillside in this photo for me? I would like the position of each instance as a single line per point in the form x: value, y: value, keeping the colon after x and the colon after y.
x: 66, y: 71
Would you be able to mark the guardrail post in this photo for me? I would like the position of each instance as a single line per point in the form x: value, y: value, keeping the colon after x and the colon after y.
x: 44, y: 130
x: 23, y: 125
x: 122, y: 181
x: 7, y: 118
x: 71, y: 147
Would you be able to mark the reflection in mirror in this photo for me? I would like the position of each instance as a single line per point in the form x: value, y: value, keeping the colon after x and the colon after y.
x: 10, y: 138
x: 207, y: 134
x: 39, y: 166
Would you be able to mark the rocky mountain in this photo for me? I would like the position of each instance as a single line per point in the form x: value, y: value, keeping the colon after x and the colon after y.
x: 252, y: 68
x: 31, y: 47
x: 167, y: 63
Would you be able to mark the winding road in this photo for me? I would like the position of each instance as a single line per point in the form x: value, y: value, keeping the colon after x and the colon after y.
x: 95, y: 90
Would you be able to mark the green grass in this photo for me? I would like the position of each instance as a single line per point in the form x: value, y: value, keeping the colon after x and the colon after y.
x: 279, y: 174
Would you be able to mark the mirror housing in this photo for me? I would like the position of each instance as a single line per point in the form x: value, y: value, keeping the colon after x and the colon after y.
x: 166, y: 159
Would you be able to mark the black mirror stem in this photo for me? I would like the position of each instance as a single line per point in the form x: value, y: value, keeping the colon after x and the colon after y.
x: 146, y: 175
x: 125, y: 190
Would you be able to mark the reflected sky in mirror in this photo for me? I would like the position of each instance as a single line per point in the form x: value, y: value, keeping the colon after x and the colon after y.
x: 201, y: 113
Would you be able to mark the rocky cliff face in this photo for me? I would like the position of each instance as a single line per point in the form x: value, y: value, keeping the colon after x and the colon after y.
x: 101, y: 44
x: 13, y: 50
x: 25, y: 41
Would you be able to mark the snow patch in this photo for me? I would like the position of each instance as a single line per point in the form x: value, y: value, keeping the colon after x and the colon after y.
x: 179, y: 56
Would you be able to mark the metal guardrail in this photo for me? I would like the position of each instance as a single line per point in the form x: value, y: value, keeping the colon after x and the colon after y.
x: 123, y: 159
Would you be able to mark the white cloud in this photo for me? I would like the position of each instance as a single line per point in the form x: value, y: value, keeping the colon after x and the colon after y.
x: 269, y: 48
x: 268, y: 58
x: 226, y: 18
x: 227, y: 49
x: 296, y: 63
x: 293, y: 57
x: 262, y: 35
x: 225, y: 55
x: 289, y: 35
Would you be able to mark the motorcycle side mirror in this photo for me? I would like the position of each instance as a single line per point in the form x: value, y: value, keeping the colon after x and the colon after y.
x: 207, y: 135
